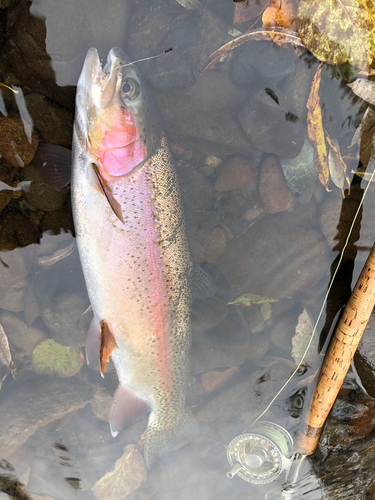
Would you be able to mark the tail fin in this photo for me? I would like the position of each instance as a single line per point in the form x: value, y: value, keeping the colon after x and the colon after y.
x: 161, y: 435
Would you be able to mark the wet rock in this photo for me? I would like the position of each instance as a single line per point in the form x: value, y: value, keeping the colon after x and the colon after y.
x: 35, y: 403
x: 299, y: 172
x: 220, y: 347
x: 248, y: 398
x: 197, y: 250
x: 254, y: 319
x: 40, y: 196
x: 194, y: 114
x: 283, y: 330
x: 336, y: 217
x: 211, y: 381
x: 253, y: 213
x: 277, y: 257
x: 15, y: 146
x: 101, y: 403
x: 15, y: 265
x: 12, y: 298
x: 273, y: 189
x: 215, y: 244
x: 53, y: 122
x: 234, y: 174
x: 59, y: 220
x: 207, y: 313
x: 248, y: 63
x: 7, y: 175
x: 20, y: 334
x: 68, y: 37
x: 26, y: 50
x: 297, y: 85
x: 258, y: 345
x: 18, y: 231
x: 62, y: 299
x: 272, y: 124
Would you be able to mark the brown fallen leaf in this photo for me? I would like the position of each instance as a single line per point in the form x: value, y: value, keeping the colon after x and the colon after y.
x: 315, y: 130
x: 337, y: 166
x: 281, y: 13
x: 281, y: 35
x: 128, y: 474
x: 365, y: 89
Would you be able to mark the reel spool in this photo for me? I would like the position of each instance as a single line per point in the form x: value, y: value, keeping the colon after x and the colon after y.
x: 261, y: 455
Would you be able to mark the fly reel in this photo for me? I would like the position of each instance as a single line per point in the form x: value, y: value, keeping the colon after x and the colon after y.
x: 261, y: 455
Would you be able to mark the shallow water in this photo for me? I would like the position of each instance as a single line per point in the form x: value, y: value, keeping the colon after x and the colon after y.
x: 234, y: 128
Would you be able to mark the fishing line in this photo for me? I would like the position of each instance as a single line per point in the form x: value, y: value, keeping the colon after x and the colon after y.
x: 323, y: 305
x: 146, y: 58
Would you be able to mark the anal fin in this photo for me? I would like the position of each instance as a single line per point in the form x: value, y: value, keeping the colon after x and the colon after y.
x: 127, y: 407
x: 107, y: 345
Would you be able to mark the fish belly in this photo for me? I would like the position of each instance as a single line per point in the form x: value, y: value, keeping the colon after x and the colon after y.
x: 138, y: 275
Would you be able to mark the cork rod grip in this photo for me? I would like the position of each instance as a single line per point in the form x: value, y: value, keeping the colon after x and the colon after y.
x: 339, y: 355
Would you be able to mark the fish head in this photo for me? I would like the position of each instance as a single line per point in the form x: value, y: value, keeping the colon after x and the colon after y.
x: 117, y: 117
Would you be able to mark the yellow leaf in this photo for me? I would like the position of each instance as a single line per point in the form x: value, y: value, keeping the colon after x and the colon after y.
x: 249, y: 299
x: 315, y: 130
x: 337, y: 166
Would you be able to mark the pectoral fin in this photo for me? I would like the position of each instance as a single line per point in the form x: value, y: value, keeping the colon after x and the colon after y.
x: 127, y: 407
x: 107, y: 345
x: 114, y: 204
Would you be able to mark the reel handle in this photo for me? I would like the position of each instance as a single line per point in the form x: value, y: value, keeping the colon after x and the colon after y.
x: 339, y: 356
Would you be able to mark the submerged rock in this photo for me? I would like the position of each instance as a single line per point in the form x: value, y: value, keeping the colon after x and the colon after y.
x: 272, y: 124
x: 299, y: 172
x: 235, y: 173
x: 273, y: 189
x: 27, y: 406
x: 277, y: 257
x: 221, y: 347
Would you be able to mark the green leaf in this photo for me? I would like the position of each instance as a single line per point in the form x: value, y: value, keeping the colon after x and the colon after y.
x: 55, y: 359
x: 249, y: 299
x: 339, y: 31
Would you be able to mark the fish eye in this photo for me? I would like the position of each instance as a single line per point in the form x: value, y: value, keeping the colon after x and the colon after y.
x: 129, y: 89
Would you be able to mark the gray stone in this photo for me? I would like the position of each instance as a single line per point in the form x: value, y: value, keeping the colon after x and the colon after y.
x: 365, y: 357
x: 272, y: 124
x: 15, y: 265
x: 248, y: 398
x: 53, y: 122
x: 221, y: 347
x: 40, y: 196
x: 62, y: 298
x: 248, y: 63
x: 195, y: 115
x: 337, y: 215
x: 207, y: 313
x: 69, y: 36
x: 12, y: 297
x: 23, y: 337
x: 33, y: 404
x: 278, y: 256
x: 299, y: 172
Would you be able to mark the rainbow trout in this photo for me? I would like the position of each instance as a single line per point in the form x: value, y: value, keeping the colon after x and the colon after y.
x: 133, y: 249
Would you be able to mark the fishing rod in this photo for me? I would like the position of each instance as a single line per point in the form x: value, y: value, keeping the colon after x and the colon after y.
x: 262, y: 454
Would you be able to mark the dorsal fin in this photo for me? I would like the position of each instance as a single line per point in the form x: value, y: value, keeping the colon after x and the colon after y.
x: 114, y: 204
x: 107, y: 345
